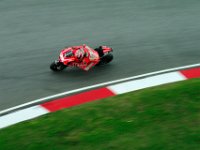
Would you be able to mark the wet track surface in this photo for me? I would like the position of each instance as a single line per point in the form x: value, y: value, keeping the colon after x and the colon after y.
x: 146, y: 36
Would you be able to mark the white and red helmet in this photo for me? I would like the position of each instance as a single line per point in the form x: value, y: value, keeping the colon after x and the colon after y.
x: 80, y: 53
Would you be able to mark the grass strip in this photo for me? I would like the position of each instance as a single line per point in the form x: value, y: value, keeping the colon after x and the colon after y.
x: 163, y: 117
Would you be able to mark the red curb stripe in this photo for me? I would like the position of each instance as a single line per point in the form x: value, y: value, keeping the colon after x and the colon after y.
x: 78, y: 99
x: 191, y: 73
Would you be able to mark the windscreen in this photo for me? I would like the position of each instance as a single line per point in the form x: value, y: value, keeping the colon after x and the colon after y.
x: 68, y: 54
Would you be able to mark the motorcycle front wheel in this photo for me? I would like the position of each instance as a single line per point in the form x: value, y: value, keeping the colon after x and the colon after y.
x: 57, y: 66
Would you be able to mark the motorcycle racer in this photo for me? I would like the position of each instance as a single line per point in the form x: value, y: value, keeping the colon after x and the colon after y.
x: 85, y: 57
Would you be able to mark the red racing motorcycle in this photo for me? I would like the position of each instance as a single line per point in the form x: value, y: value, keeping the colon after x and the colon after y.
x: 100, y: 56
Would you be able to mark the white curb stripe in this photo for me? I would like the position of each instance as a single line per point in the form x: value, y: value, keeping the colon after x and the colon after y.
x: 146, y: 82
x: 22, y: 115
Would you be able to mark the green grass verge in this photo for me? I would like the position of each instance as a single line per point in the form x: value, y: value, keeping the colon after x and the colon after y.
x: 164, y: 117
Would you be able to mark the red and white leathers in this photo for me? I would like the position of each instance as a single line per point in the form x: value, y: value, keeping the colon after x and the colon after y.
x: 84, y: 57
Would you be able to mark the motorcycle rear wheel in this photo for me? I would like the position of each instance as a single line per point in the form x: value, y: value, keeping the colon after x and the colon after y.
x: 106, y: 59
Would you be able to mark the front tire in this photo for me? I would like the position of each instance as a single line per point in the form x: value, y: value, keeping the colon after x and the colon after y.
x: 57, y: 66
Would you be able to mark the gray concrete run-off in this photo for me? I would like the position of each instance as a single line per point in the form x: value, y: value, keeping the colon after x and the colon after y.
x: 146, y: 35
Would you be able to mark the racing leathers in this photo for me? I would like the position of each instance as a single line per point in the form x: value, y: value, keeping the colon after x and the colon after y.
x: 88, y: 57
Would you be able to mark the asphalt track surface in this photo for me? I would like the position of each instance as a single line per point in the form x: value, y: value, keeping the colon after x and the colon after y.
x: 146, y: 35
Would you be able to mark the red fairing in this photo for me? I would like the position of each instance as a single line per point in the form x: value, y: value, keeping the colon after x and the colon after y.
x: 66, y: 60
x: 67, y: 57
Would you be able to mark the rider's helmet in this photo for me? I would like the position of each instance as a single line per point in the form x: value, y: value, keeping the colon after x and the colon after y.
x: 80, y: 53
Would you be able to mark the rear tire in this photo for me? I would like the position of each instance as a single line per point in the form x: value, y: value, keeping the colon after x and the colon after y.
x: 57, y: 66
x: 106, y: 59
